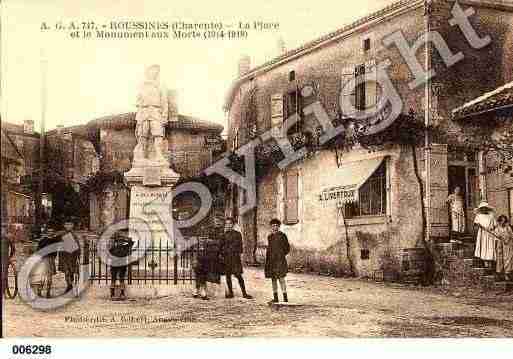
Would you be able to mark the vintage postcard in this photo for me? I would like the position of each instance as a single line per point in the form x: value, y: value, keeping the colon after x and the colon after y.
x: 284, y: 169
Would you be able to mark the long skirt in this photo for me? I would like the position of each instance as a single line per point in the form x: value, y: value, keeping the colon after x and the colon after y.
x: 485, y: 246
x: 504, y: 258
x: 458, y: 221
x: 43, y: 272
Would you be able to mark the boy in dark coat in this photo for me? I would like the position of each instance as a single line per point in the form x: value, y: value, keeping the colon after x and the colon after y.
x: 120, y: 248
x: 68, y: 261
x: 231, y: 250
x: 276, y: 266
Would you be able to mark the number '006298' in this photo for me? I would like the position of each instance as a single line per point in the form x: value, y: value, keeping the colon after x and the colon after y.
x: 31, y: 349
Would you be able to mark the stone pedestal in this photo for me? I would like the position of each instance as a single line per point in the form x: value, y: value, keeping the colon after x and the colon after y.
x: 151, y: 195
x: 151, y: 199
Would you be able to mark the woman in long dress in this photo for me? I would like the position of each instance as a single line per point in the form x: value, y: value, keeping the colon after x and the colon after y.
x: 42, y: 274
x: 457, y: 208
x: 485, y: 241
x: 504, y: 239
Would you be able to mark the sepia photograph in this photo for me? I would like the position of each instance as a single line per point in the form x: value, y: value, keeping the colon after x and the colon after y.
x: 292, y: 169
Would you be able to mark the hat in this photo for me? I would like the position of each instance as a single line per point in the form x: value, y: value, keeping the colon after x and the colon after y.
x: 485, y: 204
x: 275, y: 221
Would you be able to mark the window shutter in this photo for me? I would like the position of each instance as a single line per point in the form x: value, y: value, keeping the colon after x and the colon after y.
x: 277, y: 113
x: 348, y: 74
x: 360, y: 98
x: 292, y: 197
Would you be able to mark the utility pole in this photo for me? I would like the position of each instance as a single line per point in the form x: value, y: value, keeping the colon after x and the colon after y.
x: 427, y: 122
x: 42, y: 140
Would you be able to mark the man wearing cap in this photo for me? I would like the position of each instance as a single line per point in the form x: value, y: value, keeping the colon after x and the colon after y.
x: 276, y: 267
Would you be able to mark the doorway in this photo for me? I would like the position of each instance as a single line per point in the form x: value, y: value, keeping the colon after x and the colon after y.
x: 467, y: 179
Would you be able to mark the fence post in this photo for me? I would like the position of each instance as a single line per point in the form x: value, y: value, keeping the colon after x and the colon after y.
x: 175, y: 264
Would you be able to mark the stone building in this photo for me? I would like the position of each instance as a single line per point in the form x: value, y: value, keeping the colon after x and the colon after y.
x: 70, y: 160
x: 20, y: 158
x: 356, y: 206
x: 492, y: 112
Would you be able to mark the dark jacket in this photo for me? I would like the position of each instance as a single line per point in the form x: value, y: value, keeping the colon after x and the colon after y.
x: 121, y: 247
x: 208, y: 266
x: 68, y: 262
x: 231, y: 250
x: 8, y: 251
x: 275, y: 257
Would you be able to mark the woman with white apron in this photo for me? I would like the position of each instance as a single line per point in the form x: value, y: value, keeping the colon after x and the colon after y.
x: 485, y: 241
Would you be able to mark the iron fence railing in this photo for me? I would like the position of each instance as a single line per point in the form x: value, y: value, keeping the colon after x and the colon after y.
x: 160, y: 263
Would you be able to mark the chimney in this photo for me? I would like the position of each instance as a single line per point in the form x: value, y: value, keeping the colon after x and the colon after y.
x: 281, y: 46
x: 172, y: 99
x: 28, y: 127
x: 244, y: 65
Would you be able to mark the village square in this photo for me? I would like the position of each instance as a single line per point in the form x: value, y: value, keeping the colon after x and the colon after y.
x: 361, y: 185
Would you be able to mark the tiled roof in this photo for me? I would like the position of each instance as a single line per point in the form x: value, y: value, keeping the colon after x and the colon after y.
x: 499, y: 98
x: 9, y: 148
x: 78, y: 130
x: 16, y: 129
x: 127, y: 120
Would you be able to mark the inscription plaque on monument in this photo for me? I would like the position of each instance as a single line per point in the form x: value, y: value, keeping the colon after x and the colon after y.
x: 153, y: 206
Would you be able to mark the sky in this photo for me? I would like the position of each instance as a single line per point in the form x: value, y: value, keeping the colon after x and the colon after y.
x: 90, y: 78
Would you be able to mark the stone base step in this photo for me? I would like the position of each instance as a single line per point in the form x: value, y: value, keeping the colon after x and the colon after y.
x: 483, y: 272
x: 504, y: 286
x: 488, y: 281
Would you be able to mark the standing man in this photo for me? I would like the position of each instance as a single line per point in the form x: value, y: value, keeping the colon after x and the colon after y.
x: 68, y: 259
x: 276, y: 266
x: 231, y: 250
x: 8, y: 252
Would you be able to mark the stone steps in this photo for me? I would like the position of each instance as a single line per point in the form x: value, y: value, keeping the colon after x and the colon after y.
x: 463, y: 269
x: 504, y: 286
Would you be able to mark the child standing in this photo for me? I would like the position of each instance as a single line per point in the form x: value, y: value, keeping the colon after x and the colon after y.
x: 276, y: 266
x: 504, y: 235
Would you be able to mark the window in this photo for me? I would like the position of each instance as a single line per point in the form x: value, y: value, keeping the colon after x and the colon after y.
x: 291, y: 192
x: 364, y: 254
x: 360, y: 97
x: 295, y: 106
x: 292, y: 75
x: 372, y: 196
x: 364, y: 95
x: 366, y: 44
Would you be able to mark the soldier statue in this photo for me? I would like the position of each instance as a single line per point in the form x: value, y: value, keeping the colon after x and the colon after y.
x: 152, y: 114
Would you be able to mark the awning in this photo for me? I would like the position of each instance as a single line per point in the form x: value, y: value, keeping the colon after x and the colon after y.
x: 350, y: 177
